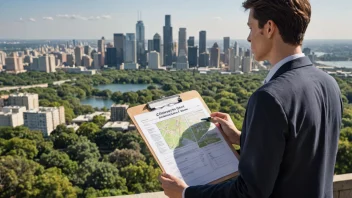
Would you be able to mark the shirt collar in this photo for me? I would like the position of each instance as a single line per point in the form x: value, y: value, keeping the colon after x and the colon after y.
x: 281, y: 63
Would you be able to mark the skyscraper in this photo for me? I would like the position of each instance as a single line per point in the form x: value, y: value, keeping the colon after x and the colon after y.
x: 226, y: 44
x: 157, y: 42
x: 182, y: 60
x: 190, y: 42
x: 119, y: 40
x: 70, y: 59
x: 87, y: 49
x: 154, y: 60
x: 2, y: 58
x: 52, y: 63
x: 62, y: 57
x: 111, y: 60
x: 202, y: 42
x: 168, y: 41
x: 101, y: 49
x: 215, y: 55
x: 130, y: 48
x: 14, y: 63
x: 78, y: 55
x: 96, y: 60
x: 236, y: 49
x: 140, y: 34
x: 182, y: 40
x: 150, y: 45
x: 192, y: 56
x: 204, y: 59
x: 246, y: 64
x: 87, y: 61
x: 44, y: 64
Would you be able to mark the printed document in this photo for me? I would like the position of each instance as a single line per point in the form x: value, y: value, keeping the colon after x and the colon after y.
x: 187, y: 147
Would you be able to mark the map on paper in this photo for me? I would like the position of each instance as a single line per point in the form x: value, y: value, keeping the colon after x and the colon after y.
x: 183, y: 130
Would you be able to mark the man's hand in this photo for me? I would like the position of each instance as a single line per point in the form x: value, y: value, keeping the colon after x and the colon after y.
x: 173, y: 186
x: 227, y: 126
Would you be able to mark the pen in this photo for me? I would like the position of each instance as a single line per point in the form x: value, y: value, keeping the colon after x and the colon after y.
x: 208, y: 119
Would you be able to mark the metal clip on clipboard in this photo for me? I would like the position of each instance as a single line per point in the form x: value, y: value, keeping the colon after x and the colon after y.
x: 163, y: 102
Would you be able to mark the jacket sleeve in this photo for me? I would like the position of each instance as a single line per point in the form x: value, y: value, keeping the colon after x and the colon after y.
x: 262, y: 147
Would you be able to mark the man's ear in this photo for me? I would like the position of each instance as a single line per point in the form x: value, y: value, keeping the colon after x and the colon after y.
x: 270, y: 28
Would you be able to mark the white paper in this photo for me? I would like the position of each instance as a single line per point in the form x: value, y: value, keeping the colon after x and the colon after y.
x: 187, y: 147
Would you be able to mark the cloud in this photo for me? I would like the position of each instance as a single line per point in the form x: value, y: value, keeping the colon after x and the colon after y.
x: 79, y: 17
x: 32, y: 19
x: 21, y: 20
x: 217, y: 18
x: 48, y: 18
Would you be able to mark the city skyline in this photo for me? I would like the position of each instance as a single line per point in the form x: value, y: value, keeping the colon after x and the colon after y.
x: 56, y: 20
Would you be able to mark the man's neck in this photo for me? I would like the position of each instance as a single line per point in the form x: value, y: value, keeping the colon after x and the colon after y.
x: 281, y: 52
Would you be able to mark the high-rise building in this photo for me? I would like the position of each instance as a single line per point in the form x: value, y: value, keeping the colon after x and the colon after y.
x: 87, y: 50
x: 193, y: 56
x: 175, y: 52
x: 12, y: 116
x: 157, y: 43
x: 52, y: 63
x: 236, y: 49
x: 70, y: 59
x: 182, y: 40
x: 168, y: 41
x: 30, y: 101
x: 161, y: 54
x: 87, y: 61
x: 235, y: 61
x: 28, y: 59
x: 97, y: 60
x: 101, y: 49
x: 78, y: 55
x: 130, y: 48
x: 182, y: 60
x: 190, y: 41
x: 130, y: 66
x: 140, y: 34
x: 35, y: 64
x: 74, y: 43
x: 150, y: 45
x: 202, y: 42
x: 111, y: 59
x: 118, y: 112
x: 14, y: 64
x: 247, y: 53
x: 226, y: 50
x: 204, y: 59
x: 241, y: 51
x: 119, y: 41
x: 2, y: 58
x: 62, y: 57
x: 44, y: 64
x: 215, y: 56
x: 154, y: 60
x: 246, y: 64
x: 226, y: 44
x: 45, y: 119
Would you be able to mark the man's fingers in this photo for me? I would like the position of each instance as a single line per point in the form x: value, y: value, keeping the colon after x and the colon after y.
x: 219, y: 114
x: 219, y: 120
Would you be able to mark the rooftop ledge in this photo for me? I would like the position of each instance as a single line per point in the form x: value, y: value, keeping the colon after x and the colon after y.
x: 342, y: 189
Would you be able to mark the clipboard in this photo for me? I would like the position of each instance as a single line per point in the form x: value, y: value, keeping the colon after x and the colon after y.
x: 168, y: 101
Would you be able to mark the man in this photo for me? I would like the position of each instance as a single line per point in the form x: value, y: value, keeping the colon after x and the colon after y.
x: 291, y: 128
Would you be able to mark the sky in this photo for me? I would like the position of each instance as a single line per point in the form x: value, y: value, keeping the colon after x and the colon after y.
x: 92, y: 19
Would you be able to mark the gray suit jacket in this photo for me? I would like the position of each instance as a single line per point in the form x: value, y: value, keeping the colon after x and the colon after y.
x: 289, y: 138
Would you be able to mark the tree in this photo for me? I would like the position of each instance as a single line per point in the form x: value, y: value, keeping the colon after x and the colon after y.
x: 124, y: 157
x: 62, y: 137
x: 18, y: 176
x: 21, y: 147
x: 82, y: 150
x: 53, y: 184
x: 88, y: 129
x: 99, y: 120
x: 60, y: 160
x: 141, y: 177
x: 105, y: 176
x: 343, y: 159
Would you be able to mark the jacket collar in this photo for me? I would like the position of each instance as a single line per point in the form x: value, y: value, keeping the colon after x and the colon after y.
x: 294, y: 64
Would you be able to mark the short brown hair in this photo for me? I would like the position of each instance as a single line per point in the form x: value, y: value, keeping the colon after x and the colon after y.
x: 291, y: 17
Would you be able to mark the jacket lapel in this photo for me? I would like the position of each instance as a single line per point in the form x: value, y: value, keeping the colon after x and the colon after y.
x: 294, y: 64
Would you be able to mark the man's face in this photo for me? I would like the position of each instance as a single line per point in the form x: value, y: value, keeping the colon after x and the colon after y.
x: 260, y: 44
